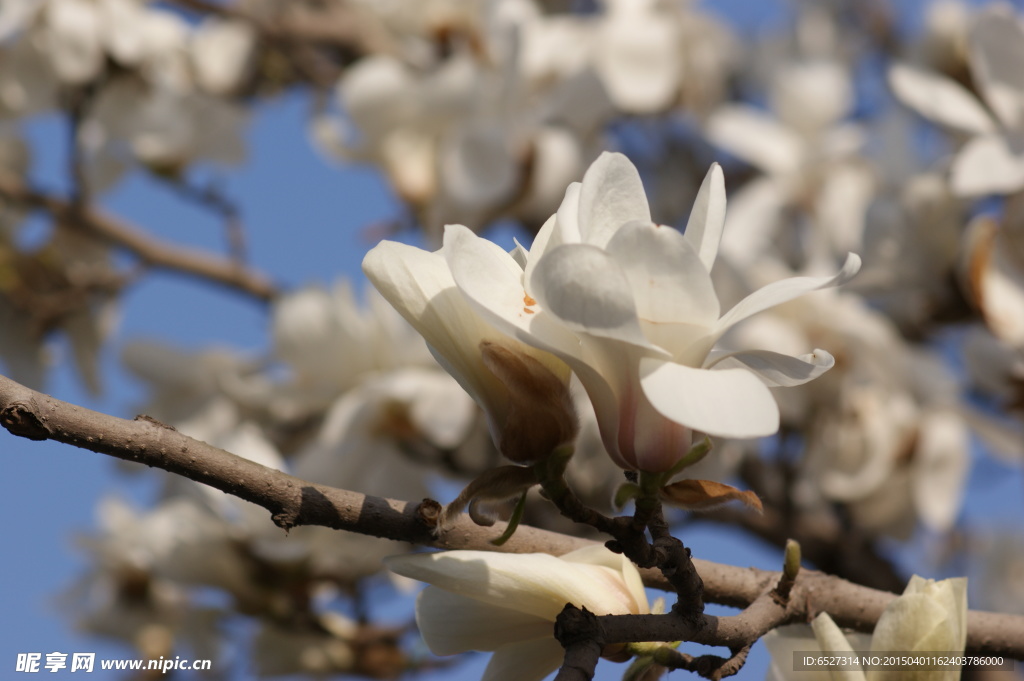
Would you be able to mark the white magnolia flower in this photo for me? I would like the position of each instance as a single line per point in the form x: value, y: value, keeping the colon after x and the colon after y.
x: 930, y: 616
x: 883, y: 431
x: 331, y: 343
x: 420, y: 286
x: 507, y: 603
x: 222, y: 53
x: 629, y: 305
x: 639, y: 54
x: 810, y: 157
x: 991, y: 161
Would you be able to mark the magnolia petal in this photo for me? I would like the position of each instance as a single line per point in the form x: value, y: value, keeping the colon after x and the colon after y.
x: 997, y: 63
x: 222, y: 53
x: 492, y: 282
x: 599, y: 555
x: 611, y: 195
x: 567, y: 219
x: 754, y: 213
x: 375, y: 92
x: 951, y: 595
x: 756, y: 138
x: 996, y: 280
x: 488, y: 278
x: 587, y: 289
x: 775, y: 369
x: 785, y: 290
x: 728, y: 403
x: 519, y: 254
x: 73, y: 42
x: 831, y: 640
x: 940, y: 99
x: 703, y: 495
x: 452, y: 624
x: 915, y: 622
x: 940, y: 463
x: 535, y: 584
x: 707, y: 218
x: 526, y: 661
x: 781, y: 643
x: 987, y: 165
x: 668, y: 281
x: 420, y: 286
x: 556, y: 159
x: 639, y: 60
x: 478, y: 169
x: 560, y: 228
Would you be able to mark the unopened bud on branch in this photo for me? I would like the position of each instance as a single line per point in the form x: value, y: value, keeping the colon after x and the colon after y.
x: 541, y: 416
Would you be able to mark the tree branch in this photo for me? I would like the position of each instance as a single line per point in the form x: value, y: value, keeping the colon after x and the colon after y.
x: 292, y: 502
x: 150, y: 251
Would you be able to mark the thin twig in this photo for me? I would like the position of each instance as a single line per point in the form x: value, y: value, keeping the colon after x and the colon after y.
x: 213, y: 199
x: 150, y: 251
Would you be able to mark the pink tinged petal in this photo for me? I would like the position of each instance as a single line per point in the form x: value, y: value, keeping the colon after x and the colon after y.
x: 612, y: 194
x: 525, y: 661
x: 648, y: 439
x: 987, y: 165
x: 757, y: 138
x: 940, y: 99
x: 997, y: 63
x: 728, y: 403
x: 452, y: 624
x: 707, y: 218
x: 783, y: 291
x: 585, y: 288
x: 668, y: 280
x: 774, y: 369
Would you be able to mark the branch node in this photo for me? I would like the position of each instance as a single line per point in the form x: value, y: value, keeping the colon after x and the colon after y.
x: 19, y: 419
x: 149, y: 419
x: 283, y: 520
x: 428, y: 513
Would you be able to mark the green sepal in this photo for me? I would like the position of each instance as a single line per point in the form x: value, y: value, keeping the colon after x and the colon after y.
x: 513, y: 522
x: 694, y: 455
x: 626, y: 492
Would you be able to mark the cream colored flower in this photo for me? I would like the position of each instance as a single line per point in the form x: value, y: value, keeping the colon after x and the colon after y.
x: 930, y: 616
x: 507, y: 603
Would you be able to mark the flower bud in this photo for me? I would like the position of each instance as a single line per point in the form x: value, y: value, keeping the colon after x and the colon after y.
x: 540, y: 415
